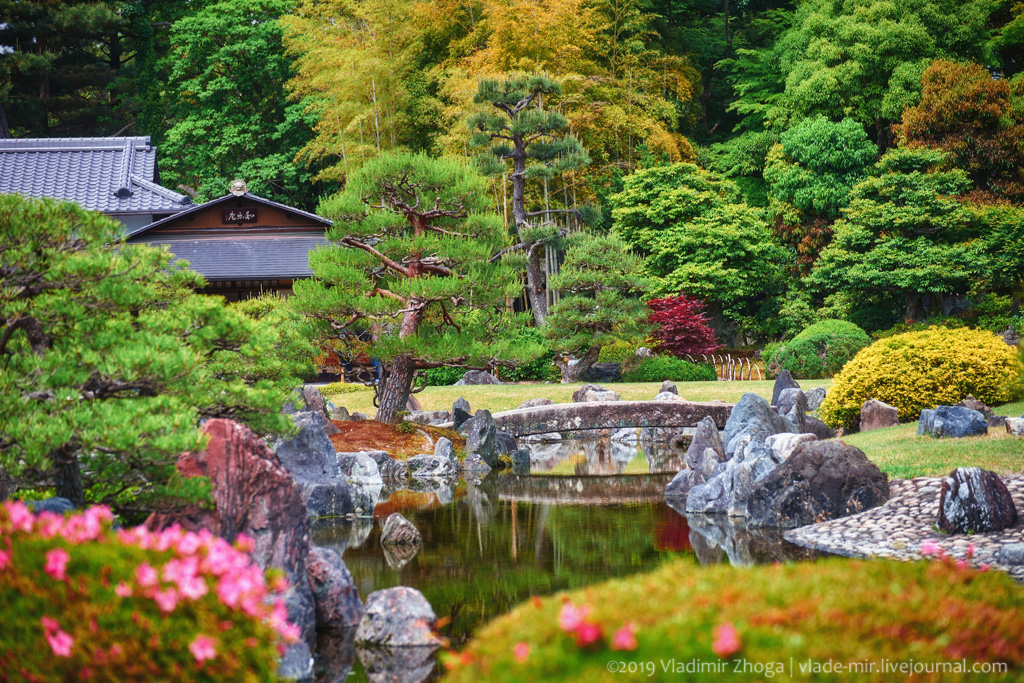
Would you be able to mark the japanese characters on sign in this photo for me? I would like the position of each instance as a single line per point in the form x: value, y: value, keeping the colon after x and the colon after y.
x: 238, y: 215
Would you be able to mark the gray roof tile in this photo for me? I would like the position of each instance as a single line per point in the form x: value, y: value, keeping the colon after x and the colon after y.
x: 110, y: 175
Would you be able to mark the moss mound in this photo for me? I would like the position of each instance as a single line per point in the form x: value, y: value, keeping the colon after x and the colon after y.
x: 919, y: 370
x: 928, y: 612
x: 821, y: 350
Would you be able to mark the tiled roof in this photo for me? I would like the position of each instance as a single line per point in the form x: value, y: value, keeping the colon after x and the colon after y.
x: 110, y: 175
x: 276, y: 258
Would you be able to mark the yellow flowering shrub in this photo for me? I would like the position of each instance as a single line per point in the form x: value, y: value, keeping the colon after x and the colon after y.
x: 919, y: 370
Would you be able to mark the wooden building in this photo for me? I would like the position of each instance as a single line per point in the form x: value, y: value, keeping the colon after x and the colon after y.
x: 243, y: 244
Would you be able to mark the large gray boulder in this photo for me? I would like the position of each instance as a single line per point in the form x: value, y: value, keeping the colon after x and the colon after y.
x: 429, y: 417
x: 603, y: 372
x: 399, y: 531
x: 389, y: 468
x: 753, y: 411
x: 875, y: 414
x: 792, y: 405
x: 819, y: 481
x: 315, y: 403
x: 784, y: 381
x: 477, y: 377
x: 951, y: 422
x: 815, y: 397
x: 589, y: 393
x: 359, y: 468
x: 785, y: 444
x: 309, y: 456
x: 729, y: 489
x: 334, y: 592
x: 705, y: 452
x: 444, y: 448
x: 482, y: 437
x: 818, y: 428
x: 461, y: 412
x: 974, y: 501
x: 667, y: 396
x: 397, y: 618
x: 669, y: 386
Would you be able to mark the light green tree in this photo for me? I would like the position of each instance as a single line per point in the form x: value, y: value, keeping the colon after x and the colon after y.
x: 412, y: 265
x: 109, y: 360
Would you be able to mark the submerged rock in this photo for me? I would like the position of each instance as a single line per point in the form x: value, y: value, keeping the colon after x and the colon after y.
x: 399, y: 531
x: 435, y: 466
x: 974, y: 501
x: 705, y: 452
x: 334, y: 591
x: 397, y: 618
x: 482, y: 437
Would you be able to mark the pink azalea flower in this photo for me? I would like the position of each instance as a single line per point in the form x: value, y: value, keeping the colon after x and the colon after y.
x: 5, y: 558
x: 203, y: 648
x: 244, y: 543
x: 21, y: 517
x: 983, y: 567
x: 970, y: 551
x: 587, y: 633
x: 49, y: 624
x: 122, y: 590
x: 625, y: 638
x: 571, y: 617
x: 930, y: 548
x: 60, y: 643
x: 521, y: 651
x: 57, y: 563
x: 727, y: 640
x: 166, y: 600
x: 193, y: 587
x: 146, y: 575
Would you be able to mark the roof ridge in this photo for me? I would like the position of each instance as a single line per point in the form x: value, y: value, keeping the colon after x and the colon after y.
x: 183, y: 199
x: 75, y: 144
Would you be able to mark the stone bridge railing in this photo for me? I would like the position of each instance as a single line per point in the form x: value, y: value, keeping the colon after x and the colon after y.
x: 571, y: 417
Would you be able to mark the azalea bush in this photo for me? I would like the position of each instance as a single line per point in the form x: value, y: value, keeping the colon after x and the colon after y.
x: 744, y: 623
x: 81, y: 601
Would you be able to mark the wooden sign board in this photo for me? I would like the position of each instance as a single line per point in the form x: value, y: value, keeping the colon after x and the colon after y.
x: 238, y: 215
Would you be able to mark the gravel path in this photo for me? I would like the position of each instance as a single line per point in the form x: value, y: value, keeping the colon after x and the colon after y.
x: 897, y: 529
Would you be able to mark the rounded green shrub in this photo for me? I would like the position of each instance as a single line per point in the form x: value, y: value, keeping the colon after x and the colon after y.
x: 542, y: 368
x: 661, y: 368
x: 442, y: 377
x: 918, y: 370
x: 83, y: 602
x: 620, y: 350
x: 821, y: 350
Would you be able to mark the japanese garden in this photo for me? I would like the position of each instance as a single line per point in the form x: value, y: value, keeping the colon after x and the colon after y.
x: 492, y: 340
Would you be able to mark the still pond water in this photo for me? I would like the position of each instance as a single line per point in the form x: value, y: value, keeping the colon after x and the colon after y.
x: 592, y: 510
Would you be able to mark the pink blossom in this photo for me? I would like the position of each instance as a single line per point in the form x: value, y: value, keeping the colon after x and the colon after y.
x: 146, y: 575
x: 203, y: 648
x: 244, y: 543
x: 962, y: 564
x: 166, y: 600
x: 193, y: 587
x: 49, y: 524
x: 290, y: 632
x: 122, y: 590
x: 5, y: 557
x: 587, y: 633
x: 572, y: 617
x: 521, y: 651
x: 21, y: 517
x: 60, y: 643
x: 983, y: 567
x: 930, y: 548
x: 727, y: 640
x: 970, y: 551
x: 57, y: 563
x: 49, y: 624
x: 625, y: 638
x: 189, y: 544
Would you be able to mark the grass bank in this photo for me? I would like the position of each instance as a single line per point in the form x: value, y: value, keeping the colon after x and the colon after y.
x: 783, y: 616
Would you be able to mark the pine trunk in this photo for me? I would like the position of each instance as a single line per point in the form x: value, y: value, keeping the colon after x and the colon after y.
x: 534, y: 268
x: 394, y: 397
x: 67, y: 477
x: 574, y: 373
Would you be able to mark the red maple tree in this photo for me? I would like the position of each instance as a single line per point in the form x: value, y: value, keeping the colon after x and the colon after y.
x: 682, y: 327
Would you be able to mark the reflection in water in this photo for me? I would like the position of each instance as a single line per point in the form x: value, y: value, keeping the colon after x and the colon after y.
x: 606, y: 455
x: 497, y: 543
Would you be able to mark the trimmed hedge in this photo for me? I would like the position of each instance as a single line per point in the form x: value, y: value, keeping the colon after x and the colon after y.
x: 918, y: 370
x: 821, y: 350
x: 661, y: 368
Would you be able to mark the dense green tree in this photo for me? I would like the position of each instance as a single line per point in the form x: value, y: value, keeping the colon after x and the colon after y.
x: 538, y: 144
x: 978, y: 119
x: 601, y: 284
x: 861, y: 59
x: 810, y: 173
x: 231, y: 116
x: 109, y: 360
x: 702, y: 241
x: 905, y: 232
x: 413, y: 265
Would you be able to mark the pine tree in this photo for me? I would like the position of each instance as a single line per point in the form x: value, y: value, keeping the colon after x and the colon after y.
x: 412, y: 266
x: 600, y: 285
x: 109, y: 359
x: 537, y: 143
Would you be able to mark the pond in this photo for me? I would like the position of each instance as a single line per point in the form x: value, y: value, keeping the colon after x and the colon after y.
x: 493, y: 543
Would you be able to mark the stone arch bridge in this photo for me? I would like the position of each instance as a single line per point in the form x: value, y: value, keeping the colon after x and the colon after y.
x: 611, y: 415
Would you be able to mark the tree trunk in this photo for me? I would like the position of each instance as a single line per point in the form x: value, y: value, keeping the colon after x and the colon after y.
x: 573, y: 373
x: 535, y: 283
x: 67, y: 477
x: 534, y: 269
x: 395, y: 396
x: 910, y: 314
